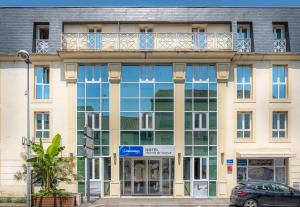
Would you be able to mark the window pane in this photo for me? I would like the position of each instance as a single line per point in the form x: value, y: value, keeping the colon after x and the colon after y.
x: 164, y: 90
x: 97, y: 139
x: 46, y: 92
x: 80, y: 120
x: 239, y: 74
x: 105, y: 90
x: 212, y: 138
x: 129, y: 104
x: 147, y: 138
x: 92, y: 90
x: 189, y: 73
x: 163, y: 120
x: 93, y: 104
x: 146, y: 104
x: 147, y: 90
x: 240, y: 91
x: 212, y: 104
x: 212, y: 73
x: 212, y: 188
x: 239, y: 120
x: 274, y: 74
x: 129, y: 90
x: 81, y: 73
x: 130, y: 73
x: 282, y: 120
x: 188, y: 104
x: 282, y: 134
x: 188, y: 89
x: 212, y: 90
x: 275, y: 91
x: 282, y: 74
x: 130, y: 121
x: 201, y: 104
x: 164, y: 104
x: 80, y: 90
x: 188, y: 151
x: 39, y: 120
x: 188, y: 138
x: 282, y: 91
x: 188, y: 120
x: 213, y: 151
x: 247, y: 92
x: 163, y: 138
x: 39, y: 75
x: 201, y: 90
x: 129, y: 138
x: 274, y: 120
x: 260, y: 174
x: 247, y: 117
x: 200, y: 137
x: 247, y: 74
x: 163, y: 73
x: 104, y: 73
x: 46, y: 121
x: 212, y: 168
x: 105, y: 104
x: 105, y: 138
x: 39, y: 92
x: 280, y: 175
x: 204, y: 168
x: 105, y: 121
x: 212, y: 120
x: 200, y: 150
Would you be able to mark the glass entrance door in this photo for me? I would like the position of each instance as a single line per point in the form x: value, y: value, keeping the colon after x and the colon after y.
x: 154, y: 176
x: 140, y: 177
x: 200, y: 185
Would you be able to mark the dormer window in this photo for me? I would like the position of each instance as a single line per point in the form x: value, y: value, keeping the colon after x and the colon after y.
x: 199, y: 38
x: 146, y: 38
x: 41, y: 37
x: 244, y: 37
x: 280, y: 33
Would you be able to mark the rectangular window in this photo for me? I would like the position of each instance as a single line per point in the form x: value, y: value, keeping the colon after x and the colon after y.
x: 41, y: 80
x: 146, y: 120
x: 279, y: 124
x: 146, y: 38
x: 42, y: 125
x: 279, y: 82
x: 94, y: 120
x: 200, y: 121
x: 244, y: 124
x: 94, y: 38
x: 244, y: 82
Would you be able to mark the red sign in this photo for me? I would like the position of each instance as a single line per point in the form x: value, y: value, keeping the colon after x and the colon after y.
x: 229, y: 168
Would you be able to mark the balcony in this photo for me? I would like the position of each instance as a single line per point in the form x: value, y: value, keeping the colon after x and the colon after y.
x: 279, y: 45
x: 146, y: 41
x: 41, y: 45
x: 243, y: 45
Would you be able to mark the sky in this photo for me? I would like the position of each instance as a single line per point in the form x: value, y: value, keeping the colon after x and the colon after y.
x: 150, y: 3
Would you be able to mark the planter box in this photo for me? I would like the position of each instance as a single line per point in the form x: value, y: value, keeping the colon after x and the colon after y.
x: 51, y: 201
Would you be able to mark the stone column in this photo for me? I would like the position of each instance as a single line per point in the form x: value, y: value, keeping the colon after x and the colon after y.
x: 179, y: 78
x: 223, y: 70
x: 114, y: 78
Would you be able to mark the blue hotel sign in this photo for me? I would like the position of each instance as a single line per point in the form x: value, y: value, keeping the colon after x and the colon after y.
x: 131, y: 151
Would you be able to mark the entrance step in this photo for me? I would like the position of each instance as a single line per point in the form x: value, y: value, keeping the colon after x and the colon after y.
x: 164, y: 202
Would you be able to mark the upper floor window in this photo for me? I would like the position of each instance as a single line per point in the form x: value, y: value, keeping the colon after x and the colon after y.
x: 147, y: 120
x: 42, y: 125
x: 243, y: 38
x: 41, y: 37
x: 199, y: 38
x: 200, y: 121
x: 94, y: 120
x: 280, y: 37
x: 146, y: 38
x: 279, y: 82
x: 244, y: 82
x: 94, y: 38
x: 279, y: 124
x: 244, y: 124
x: 42, y: 82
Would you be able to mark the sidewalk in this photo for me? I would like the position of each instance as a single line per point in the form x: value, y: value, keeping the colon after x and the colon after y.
x: 167, y: 202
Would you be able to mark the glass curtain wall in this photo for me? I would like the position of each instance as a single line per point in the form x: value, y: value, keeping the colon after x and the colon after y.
x: 93, y: 100
x: 200, y: 144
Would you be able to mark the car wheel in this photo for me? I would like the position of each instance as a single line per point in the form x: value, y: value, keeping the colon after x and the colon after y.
x: 250, y: 203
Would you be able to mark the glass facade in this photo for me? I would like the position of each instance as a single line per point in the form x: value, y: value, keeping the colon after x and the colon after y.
x: 93, y: 101
x: 200, y: 141
x: 147, y: 105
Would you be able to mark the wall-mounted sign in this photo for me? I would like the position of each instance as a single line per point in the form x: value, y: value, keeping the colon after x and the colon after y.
x: 144, y: 151
x: 229, y: 162
x: 131, y: 151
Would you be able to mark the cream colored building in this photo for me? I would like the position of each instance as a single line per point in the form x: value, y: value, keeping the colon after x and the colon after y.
x: 181, y: 106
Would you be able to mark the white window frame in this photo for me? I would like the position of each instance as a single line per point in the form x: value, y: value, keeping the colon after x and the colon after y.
x: 240, y: 28
x: 278, y: 129
x: 93, y: 120
x: 43, y: 84
x: 43, y: 129
x: 200, y: 114
x: 147, y: 128
x: 244, y: 83
x: 278, y: 83
x: 243, y: 129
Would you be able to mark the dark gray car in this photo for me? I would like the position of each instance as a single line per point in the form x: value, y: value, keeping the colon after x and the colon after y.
x: 259, y: 194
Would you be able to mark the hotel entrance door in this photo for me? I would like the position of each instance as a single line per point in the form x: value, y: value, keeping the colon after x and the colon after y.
x: 140, y: 176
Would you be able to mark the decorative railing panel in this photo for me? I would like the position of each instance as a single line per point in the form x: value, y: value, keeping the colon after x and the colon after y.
x: 279, y: 45
x: 243, y: 45
x: 41, y: 45
x: 147, y: 41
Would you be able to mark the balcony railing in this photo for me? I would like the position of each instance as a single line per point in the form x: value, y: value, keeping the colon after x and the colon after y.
x: 147, y: 41
x: 41, y: 45
x: 280, y: 45
x: 243, y: 45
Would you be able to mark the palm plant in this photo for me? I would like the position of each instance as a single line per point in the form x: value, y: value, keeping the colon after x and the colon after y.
x: 49, y: 168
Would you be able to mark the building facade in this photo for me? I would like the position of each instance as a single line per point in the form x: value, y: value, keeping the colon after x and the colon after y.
x: 184, y: 102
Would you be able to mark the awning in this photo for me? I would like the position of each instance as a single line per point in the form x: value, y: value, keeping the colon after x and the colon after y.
x: 267, y: 154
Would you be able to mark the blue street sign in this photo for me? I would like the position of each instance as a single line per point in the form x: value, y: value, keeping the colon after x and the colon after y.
x: 131, y: 151
x: 229, y: 162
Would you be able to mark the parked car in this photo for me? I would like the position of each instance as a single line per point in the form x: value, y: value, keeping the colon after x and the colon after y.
x: 259, y: 194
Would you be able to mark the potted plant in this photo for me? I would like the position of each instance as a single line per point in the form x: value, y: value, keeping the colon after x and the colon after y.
x: 48, y: 169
